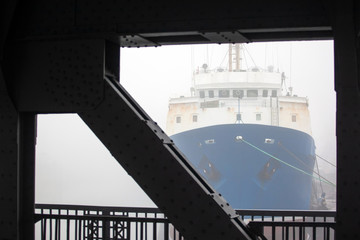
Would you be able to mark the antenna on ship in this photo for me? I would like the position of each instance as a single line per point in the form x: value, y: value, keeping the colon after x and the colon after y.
x: 235, y: 59
x: 290, y: 88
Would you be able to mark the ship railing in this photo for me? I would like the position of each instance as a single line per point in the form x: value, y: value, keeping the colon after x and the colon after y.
x: 57, y: 222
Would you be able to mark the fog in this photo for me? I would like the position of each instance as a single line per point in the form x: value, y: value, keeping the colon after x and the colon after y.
x: 74, y: 167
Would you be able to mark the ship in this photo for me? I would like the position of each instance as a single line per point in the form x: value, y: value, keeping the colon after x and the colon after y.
x: 246, y: 136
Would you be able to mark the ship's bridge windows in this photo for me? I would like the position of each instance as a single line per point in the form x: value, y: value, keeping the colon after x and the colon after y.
x: 258, y: 117
x: 293, y: 117
x: 252, y: 93
x: 178, y: 119
x: 202, y: 94
x: 265, y: 93
x: 211, y: 93
x: 195, y: 118
x: 210, y: 104
x: 238, y: 93
x: 274, y: 93
x: 224, y: 93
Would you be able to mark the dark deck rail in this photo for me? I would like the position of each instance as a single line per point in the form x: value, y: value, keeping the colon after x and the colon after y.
x: 57, y: 222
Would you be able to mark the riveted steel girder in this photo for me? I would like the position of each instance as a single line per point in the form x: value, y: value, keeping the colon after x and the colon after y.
x: 153, y: 23
x: 151, y: 158
x: 8, y: 166
x: 68, y: 76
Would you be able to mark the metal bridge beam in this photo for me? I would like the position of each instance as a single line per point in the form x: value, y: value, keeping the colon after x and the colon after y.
x: 68, y: 76
x: 17, y: 169
x: 8, y: 166
x: 151, y: 158
x: 347, y: 86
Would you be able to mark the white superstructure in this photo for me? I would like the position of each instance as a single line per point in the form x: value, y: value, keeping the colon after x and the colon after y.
x: 237, y: 96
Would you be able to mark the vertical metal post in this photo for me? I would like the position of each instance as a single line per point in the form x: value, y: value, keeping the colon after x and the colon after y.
x: 26, y: 174
x: 8, y: 166
x: 347, y: 77
x: 166, y: 231
x: 106, y: 225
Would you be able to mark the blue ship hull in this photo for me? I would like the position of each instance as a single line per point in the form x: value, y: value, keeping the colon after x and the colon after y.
x: 253, y: 166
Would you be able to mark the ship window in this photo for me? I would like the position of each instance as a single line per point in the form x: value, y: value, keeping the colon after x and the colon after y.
x: 224, y: 93
x: 252, y: 93
x: 178, y: 119
x: 258, y: 117
x: 195, y: 118
x: 209, y: 104
x: 238, y: 93
x: 202, y: 94
x: 211, y: 93
x: 265, y: 93
x: 293, y: 118
x: 273, y: 93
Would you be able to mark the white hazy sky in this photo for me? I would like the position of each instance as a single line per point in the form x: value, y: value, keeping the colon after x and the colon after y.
x: 73, y: 166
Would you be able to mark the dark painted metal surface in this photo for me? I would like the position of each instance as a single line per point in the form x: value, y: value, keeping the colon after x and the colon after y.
x: 347, y: 78
x: 57, y: 76
x: 26, y: 174
x: 150, y: 157
x: 8, y: 166
x: 141, y: 23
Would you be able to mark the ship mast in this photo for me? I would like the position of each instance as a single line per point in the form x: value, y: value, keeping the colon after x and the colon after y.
x: 235, y: 59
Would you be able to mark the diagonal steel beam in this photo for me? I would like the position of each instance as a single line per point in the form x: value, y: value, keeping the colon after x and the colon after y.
x: 151, y: 158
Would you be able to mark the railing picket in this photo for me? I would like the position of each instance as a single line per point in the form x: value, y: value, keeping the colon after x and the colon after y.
x: 50, y: 230
x: 136, y: 228
x: 56, y: 229
x: 174, y: 233
x: 166, y: 231
x: 282, y: 229
x: 145, y: 227
x: 154, y: 230
x: 81, y: 227
x: 67, y: 229
x: 327, y: 233
x: 76, y: 229
x: 44, y: 232
x: 273, y: 229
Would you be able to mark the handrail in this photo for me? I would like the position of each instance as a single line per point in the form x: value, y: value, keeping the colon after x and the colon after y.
x: 137, y: 222
x: 97, y: 208
x: 271, y: 212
